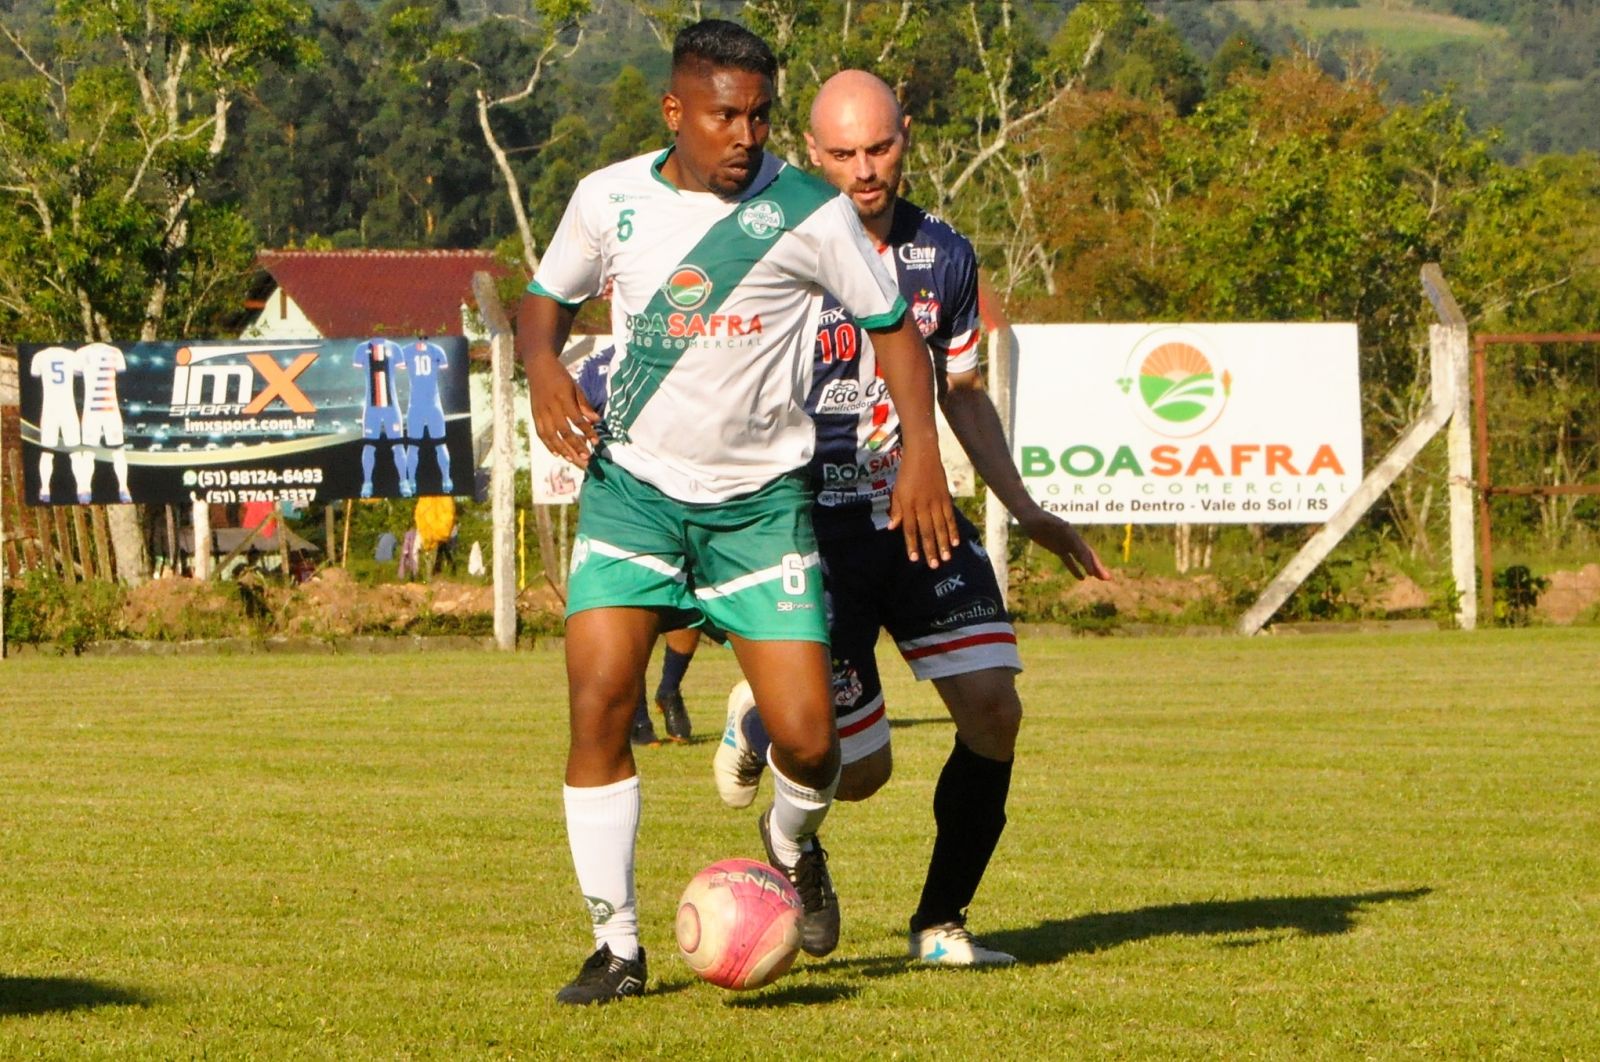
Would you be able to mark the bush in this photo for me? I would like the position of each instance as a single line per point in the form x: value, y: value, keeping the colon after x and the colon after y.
x: 41, y: 608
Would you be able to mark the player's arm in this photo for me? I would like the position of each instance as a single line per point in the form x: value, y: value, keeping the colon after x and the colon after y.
x: 977, y: 426
x: 920, y: 505
x: 562, y: 417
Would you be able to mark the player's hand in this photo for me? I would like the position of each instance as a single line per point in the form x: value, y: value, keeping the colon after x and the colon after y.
x: 562, y: 417
x: 920, y: 507
x: 1062, y: 539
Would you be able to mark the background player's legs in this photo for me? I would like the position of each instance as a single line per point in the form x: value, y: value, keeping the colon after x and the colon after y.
x: 969, y: 802
x: 675, y: 657
x: 369, y: 457
x: 397, y: 450
x: 607, y: 649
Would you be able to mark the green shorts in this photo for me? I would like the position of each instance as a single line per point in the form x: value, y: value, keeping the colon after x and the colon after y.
x: 749, y: 566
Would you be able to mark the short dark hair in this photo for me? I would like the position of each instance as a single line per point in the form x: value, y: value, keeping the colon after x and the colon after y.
x: 716, y: 43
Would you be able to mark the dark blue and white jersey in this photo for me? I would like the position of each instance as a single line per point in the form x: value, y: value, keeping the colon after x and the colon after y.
x: 592, y: 377
x: 858, y: 431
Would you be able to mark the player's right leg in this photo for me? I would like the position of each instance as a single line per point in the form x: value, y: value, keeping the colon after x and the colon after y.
x: 626, y: 574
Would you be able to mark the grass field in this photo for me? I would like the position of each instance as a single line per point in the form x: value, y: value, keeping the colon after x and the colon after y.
x: 1396, y: 26
x: 1325, y: 847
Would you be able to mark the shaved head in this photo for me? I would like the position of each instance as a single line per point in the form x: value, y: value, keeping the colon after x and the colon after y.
x: 854, y: 95
x: 858, y: 138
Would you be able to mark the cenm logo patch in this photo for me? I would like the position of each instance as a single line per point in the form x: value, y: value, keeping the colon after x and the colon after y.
x: 688, y: 288
x: 761, y: 220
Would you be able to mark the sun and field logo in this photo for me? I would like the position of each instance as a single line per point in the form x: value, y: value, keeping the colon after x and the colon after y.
x: 761, y: 220
x: 1180, y: 391
x: 688, y: 288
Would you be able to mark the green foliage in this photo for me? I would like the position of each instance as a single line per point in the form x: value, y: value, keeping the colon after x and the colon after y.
x: 42, y: 608
x: 1516, y: 592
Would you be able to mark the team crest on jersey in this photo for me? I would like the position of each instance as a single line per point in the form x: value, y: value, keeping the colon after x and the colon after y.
x: 688, y: 287
x: 761, y: 220
x: 925, y: 311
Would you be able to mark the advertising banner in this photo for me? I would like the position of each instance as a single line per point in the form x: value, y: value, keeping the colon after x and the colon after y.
x: 1188, y: 423
x: 234, y: 422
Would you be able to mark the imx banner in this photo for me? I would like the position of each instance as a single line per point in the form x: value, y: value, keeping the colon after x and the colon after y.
x: 232, y: 421
x: 1188, y: 423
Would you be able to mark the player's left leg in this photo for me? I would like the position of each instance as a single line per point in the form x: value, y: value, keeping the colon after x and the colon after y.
x: 969, y: 813
x: 952, y: 627
x: 755, y: 570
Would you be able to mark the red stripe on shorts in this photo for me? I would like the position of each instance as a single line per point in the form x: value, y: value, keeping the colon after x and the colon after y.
x: 960, y: 643
x: 861, y: 724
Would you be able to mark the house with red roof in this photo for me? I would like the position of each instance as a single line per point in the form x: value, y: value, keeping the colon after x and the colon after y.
x: 349, y: 294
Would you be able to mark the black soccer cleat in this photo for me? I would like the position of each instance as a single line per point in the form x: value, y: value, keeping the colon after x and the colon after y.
x: 604, y: 979
x: 819, y: 919
x: 676, y: 716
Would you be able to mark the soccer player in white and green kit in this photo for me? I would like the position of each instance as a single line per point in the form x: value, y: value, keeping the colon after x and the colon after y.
x: 696, y: 507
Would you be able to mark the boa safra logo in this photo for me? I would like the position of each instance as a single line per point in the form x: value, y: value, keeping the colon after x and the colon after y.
x: 688, y: 288
x: 1179, y: 390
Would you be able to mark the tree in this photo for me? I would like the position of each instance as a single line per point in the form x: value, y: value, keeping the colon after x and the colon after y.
x: 104, y: 148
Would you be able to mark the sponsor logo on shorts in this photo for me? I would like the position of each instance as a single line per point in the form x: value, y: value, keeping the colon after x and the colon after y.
x: 846, y: 685
x: 945, y: 586
x: 580, y: 553
x: 761, y: 220
x: 978, y: 548
x: 916, y: 257
x: 793, y: 606
x: 878, y: 465
x: 974, y: 612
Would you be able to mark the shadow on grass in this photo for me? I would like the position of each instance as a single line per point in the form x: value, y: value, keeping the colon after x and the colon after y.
x: 897, y: 724
x: 1313, y: 916
x: 48, y: 995
x: 796, y: 996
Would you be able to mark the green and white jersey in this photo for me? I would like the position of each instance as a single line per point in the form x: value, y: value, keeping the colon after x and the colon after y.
x: 715, y: 304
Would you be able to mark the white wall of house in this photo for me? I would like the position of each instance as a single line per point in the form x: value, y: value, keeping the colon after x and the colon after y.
x: 281, y: 318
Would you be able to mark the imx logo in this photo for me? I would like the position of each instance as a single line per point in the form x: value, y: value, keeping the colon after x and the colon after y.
x: 1179, y: 390
x: 232, y: 388
x: 688, y: 288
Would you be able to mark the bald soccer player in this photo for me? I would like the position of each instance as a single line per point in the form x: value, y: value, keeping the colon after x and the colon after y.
x: 950, y: 623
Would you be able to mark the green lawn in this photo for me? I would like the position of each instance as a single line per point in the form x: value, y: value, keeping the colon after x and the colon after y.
x: 1396, y: 26
x: 1316, y: 846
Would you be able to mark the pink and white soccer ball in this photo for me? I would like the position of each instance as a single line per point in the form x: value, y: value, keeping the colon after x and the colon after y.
x: 739, y: 924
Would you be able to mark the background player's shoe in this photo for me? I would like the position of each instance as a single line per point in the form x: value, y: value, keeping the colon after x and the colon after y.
x: 643, y: 732
x: 446, y: 486
x: 407, y: 488
x: 605, y: 978
x: 85, y: 499
x: 124, y: 497
x: 366, y: 490
x: 949, y: 944
x: 676, y: 716
x: 819, y: 921
x: 740, y: 756
x: 44, y: 497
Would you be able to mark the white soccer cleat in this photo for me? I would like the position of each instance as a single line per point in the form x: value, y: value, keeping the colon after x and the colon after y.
x: 738, y: 762
x: 949, y: 944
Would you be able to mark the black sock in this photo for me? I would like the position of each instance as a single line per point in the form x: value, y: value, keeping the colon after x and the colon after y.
x: 673, y: 667
x: 969, y: 814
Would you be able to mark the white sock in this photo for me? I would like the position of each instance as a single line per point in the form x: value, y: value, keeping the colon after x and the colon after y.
x: 797, y: 813
x: 602, y: 824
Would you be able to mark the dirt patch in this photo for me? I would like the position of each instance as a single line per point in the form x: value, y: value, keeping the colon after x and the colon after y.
x: 1149, y: 595
x: 1569, y: 595
x: 183, y: 609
